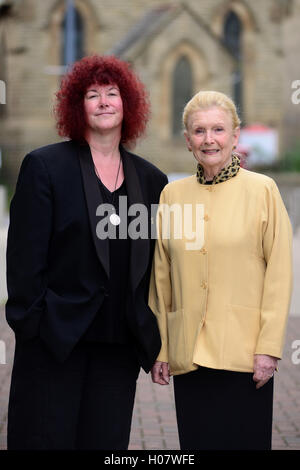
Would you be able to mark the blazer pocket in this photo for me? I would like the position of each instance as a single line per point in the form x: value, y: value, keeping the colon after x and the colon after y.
x: 177, y: 343
x: 243, y: 327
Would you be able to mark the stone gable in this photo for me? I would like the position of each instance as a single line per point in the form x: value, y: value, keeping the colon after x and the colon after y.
x: 153, y: 35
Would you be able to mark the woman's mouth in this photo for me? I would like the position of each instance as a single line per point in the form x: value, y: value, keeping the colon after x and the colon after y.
x: 211, y: 151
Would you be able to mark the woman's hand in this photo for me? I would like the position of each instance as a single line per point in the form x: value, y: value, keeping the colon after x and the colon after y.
x: 160, y: 373
x: 264, y: 367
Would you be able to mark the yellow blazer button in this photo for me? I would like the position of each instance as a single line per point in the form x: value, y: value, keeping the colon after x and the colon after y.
x: 203, y: 251
x: 204, y: 285
x: 206, y: 217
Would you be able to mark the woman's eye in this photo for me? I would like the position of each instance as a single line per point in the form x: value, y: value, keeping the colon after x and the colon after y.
x: 219, y: 129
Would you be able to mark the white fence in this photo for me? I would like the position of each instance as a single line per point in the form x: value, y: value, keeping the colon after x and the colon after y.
x: 3, y: 290
x: 3, y: 236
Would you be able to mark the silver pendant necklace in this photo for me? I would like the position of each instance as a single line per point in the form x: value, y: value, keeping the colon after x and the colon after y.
x: 114, y: 218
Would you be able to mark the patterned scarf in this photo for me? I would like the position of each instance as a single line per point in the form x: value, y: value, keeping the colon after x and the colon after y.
x: 228, y: 172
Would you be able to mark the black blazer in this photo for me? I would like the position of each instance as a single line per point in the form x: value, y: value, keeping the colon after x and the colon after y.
x: 57, y: 268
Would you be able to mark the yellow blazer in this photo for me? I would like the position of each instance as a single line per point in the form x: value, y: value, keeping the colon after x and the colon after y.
x: 224, y: 296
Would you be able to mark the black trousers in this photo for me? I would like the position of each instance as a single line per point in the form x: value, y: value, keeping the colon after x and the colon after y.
x: 223, y: 410
x: 84, y: 403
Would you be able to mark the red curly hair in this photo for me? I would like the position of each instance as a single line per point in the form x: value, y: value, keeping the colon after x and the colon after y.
x: 101, y: 70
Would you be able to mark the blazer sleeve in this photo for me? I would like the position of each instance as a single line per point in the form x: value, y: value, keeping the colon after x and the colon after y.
x: 277, y: 248
x: 160, y: 292
x: 27, y: 247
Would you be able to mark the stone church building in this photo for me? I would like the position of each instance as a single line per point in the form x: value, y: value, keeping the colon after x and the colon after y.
x: 249, y: 49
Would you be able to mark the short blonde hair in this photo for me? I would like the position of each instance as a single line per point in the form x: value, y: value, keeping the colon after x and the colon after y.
x: 208, y: 99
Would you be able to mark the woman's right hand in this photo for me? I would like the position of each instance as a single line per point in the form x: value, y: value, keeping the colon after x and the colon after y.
x: 160, y: 373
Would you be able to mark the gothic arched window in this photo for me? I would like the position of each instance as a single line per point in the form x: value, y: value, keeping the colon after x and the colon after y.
x: 182, y: 91
x: 232, y: 36
x: 72, y: 35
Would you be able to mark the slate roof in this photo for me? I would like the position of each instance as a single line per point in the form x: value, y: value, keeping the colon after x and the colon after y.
x: 143, y: 28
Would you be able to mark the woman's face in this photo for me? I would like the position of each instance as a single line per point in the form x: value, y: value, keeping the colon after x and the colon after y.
x: 211, y: 137
x: 103, y: 108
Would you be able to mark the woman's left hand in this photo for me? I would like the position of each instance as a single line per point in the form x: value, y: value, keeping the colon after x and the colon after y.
x: 264, y: 367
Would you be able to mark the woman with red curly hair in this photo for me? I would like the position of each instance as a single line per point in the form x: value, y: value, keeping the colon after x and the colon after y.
x: 78, y: 267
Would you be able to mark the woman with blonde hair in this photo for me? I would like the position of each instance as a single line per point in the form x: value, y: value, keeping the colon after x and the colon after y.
x: 221, y: 302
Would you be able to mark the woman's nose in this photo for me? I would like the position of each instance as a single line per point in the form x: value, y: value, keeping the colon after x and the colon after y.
x: 102, y: 100
x: 208, y: 138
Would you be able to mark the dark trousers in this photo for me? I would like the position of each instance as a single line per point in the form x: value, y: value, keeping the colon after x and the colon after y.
x: 85, y: 402
x: 223, y: 410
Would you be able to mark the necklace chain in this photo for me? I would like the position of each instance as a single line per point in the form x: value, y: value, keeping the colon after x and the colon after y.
x: 113, y: 197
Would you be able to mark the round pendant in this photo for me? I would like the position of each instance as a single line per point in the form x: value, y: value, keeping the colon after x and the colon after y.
x: 114, y: 219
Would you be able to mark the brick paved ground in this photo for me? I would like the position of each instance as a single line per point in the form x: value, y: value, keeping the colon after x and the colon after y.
x: 7, y: 338
x: 154, y: 425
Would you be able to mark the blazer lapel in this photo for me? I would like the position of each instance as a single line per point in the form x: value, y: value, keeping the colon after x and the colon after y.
x: 139, y: 253
x: 93, y: 199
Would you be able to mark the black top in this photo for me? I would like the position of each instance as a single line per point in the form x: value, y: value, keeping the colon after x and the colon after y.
x: 110, y: 324
x: 66, y: 265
